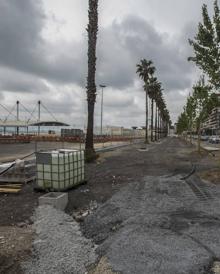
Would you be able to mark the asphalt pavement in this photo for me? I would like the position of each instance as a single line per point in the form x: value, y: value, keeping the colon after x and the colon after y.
x: 11, y: 152
x: 165, y: 222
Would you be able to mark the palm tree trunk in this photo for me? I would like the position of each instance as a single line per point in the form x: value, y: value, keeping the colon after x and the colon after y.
x: 158, y: 125
x: 92, y: 30
x: 146, y: 130
x: 156, y: 122
x: 152, y: 119
x: 89, y: 135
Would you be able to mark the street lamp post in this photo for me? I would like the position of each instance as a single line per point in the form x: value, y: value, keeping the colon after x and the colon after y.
x: 102, y: 87
x: 17, y: 116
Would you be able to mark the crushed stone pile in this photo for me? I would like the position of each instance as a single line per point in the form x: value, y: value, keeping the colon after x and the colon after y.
x: 59, y: 246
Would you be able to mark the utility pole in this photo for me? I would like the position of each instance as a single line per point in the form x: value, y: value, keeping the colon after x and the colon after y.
x: 17, y: 116
x: 102, y: 87
x: 39, y: 106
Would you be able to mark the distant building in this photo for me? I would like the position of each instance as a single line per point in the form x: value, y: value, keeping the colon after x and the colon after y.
x: 120, y: 131
x: 212, y: 123
x: 71, y: 132
x: 108, y: 131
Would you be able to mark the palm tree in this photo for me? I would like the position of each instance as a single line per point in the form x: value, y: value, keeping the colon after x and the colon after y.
x: 92, y: 30
x: 145, y: 71
x: 154, y: 86
x: 160, y: 104
x: 166, y: 122
x: 158, y: 96
x: 162, y: 115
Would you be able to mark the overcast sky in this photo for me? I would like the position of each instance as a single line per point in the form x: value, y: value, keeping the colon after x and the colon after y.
x: 43, y: 55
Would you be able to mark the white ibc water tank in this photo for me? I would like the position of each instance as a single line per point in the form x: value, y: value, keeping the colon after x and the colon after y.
x: 60, y: 170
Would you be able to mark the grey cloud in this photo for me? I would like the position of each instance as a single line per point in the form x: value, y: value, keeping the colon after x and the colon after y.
x: 15, y: 81
x: 122, y: 99
x: 175, y: 101
x: 120, y: 48
x: 20, y: 25
x: 62, y: 106
x: 23, y: 48
x: 124, y: 43
x: 66, y: 105
x: 30, y: 59
x: 1, y: 96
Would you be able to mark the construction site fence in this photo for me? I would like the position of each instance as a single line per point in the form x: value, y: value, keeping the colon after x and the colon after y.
x: 75, y: 139
x: 82, y: 140
x: 4, y: 139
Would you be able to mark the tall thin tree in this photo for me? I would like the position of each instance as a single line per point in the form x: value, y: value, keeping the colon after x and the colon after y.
x: 206, y: 45
x: 154, y: 87
x: 145, y: 71
x: 158, y: 96
x: 92, y: 30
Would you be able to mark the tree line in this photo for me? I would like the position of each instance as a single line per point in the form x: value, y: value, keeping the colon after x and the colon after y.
x: 146, y: 71
x: 204, y: 94
x: 160, y: 118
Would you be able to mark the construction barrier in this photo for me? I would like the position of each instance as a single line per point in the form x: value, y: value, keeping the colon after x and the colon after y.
x: 15, y: 139
x: 76, y: 139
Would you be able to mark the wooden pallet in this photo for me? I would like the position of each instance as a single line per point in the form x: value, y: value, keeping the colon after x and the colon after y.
x: 13, y: 179
x: 17, y: 179
x: 10, y: 185
x: 10, y: 188
x: 13, y: 185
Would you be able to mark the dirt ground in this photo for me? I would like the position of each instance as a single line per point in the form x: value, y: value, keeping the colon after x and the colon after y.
x: 17, y: 210
x: 212, y: 176
x: 15, y: 232
x: 105, y: 177
x: 102, y: 267
x: 117, y: 168
x: 15, y: 246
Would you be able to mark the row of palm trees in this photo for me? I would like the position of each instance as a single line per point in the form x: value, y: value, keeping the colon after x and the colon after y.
x: 145, y: 70
x: 160, y: 118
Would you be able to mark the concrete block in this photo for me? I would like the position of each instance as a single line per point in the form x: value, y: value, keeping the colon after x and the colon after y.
x: 58, y: 200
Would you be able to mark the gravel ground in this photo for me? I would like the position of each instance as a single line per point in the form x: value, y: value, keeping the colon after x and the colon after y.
x: 59, y: 246
x: 146, y: 215
x: 129, y: 164
x: 157, y: 226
